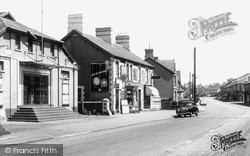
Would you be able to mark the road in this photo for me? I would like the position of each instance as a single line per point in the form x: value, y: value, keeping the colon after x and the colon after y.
x: 157, y: 138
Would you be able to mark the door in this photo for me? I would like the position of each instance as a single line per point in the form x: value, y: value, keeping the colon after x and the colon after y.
x: 117, y: 103
x: 35, y: 89
x: 80, y: 98
x: 139, y: 99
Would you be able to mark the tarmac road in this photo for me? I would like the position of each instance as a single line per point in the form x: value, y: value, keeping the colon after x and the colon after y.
x: 173, y: 136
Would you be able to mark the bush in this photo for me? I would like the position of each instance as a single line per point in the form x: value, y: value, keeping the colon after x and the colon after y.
x: 3, y: 131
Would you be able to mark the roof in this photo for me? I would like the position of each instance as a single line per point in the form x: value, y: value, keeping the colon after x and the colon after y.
x: 170, y: 64
x: 161, y: 64
x: 6, y: 23
x: 113, y: 49
x: 7, y: 15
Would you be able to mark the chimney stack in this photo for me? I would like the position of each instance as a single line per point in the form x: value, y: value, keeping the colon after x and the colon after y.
x: 75, y: 22
x: 149, y: 53
x: 123, y: 40
x: 104, y: 33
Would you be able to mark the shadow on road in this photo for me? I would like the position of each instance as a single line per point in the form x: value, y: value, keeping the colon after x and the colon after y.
x: 241, y: 103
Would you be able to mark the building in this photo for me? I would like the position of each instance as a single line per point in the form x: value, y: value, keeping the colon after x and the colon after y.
x: 168, y: 83
x: 247, y: 91
x: 35, y: 69
x: 235, y: 89
x: 112, y: 71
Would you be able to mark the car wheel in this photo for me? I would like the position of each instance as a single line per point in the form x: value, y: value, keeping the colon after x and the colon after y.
x: 196, y: 114
x: 185, y: 115
x: 190, y: 114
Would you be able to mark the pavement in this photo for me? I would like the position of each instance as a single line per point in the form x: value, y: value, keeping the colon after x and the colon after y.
x: 26, y: 132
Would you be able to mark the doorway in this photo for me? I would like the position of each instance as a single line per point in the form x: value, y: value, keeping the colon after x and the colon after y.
x: 117, y: 105
x: 35, y: 89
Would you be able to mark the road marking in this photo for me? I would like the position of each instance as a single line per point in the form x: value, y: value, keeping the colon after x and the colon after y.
x: 188, y: 141
x: 70, y: 135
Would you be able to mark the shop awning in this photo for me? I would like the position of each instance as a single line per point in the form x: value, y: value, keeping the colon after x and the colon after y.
x: 151, y: 91
x: 37, y: 64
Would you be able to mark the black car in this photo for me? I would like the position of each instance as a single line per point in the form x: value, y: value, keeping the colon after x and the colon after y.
x: 187, y: 108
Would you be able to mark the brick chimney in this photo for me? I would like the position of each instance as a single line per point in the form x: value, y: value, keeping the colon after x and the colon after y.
x: 123, y: 40
x: 75, y: 22
x: 104, y: 33
x: 149, y: 53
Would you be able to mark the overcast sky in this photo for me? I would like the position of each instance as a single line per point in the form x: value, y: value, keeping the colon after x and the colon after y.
x: 162, y: 23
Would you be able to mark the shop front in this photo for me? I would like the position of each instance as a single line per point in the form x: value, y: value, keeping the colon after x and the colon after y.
x: 152, y: 98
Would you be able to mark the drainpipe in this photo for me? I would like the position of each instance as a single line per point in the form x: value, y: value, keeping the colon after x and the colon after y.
x: 73, y: 87
x: 58, y: 79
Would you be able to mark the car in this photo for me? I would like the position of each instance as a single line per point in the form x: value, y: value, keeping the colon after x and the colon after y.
x: 203, y: 102
x: 186, y: 107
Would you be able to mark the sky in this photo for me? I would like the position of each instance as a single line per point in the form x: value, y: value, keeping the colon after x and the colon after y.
x: 162, y: 25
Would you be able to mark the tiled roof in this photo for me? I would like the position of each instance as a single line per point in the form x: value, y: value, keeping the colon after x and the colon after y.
x: 14, y: 25
x: 113, y: 49
x: 169, y: 64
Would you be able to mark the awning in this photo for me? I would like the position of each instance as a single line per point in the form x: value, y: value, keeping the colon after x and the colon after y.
x: 37, y: 64
x: 151, y: 91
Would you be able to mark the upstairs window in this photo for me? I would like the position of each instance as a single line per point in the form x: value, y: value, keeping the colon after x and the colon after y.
x: 1, y: 66
x: 17, y: 42
x: 42, y: 47
x: 30, y: 45
x: 52, y: 50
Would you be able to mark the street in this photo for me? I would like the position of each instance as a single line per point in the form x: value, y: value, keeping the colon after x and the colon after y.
x: 165, y: 137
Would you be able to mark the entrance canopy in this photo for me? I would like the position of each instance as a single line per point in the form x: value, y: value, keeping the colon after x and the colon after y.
x: 151, y: 91
x: 37, y: 64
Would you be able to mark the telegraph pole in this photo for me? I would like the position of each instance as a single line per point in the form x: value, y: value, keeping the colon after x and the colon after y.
x: 195, y: 75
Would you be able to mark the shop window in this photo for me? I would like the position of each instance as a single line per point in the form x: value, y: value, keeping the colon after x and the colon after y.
x: 130, y: 72
x: 30, y: 44
x: 65, y: 74
x: 99, y: 76
x: 17, y: 42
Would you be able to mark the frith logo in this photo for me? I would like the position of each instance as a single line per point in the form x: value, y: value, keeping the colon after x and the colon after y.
x: 210, y: 28
x: 227, y: 142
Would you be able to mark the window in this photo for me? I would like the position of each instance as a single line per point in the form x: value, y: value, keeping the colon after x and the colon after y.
x: 146, y: 75
x: 30, y: 45
x: 1, y: 66
x: 130, y: 72
x: 17, y: 42
x: 42, y: 47
x: 52, y: 50
x: 139, y: 73
x: 65, y: 87
x: 117, y: 69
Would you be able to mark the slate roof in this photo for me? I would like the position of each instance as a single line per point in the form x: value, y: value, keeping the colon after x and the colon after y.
x: 14, y: 25
x: 113, y: 49
x: 170, y: 64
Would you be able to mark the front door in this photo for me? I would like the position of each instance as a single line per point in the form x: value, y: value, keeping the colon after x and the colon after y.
x: 35, y: 89
x: 117, y: 105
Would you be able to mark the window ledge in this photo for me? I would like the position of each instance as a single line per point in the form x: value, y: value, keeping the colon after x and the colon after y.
x: 17, y: 50
x: 29, y: 52
x: 42, y: 55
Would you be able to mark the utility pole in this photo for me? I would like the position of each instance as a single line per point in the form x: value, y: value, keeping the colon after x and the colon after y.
x: 190, y: 86
x: 195, y: 75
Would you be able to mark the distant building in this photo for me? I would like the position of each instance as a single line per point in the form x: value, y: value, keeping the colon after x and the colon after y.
x: 168, y: 83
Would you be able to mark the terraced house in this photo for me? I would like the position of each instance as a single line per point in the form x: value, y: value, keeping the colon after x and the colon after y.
x: 112, y: 71
x: 35, y: 71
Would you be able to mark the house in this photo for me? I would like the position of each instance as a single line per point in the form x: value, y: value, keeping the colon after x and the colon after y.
x: 247, y: 91
x: 35, y: 69
x: 111, y: 71
x: 168, y: 83
x: 236, y: 88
